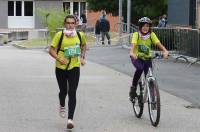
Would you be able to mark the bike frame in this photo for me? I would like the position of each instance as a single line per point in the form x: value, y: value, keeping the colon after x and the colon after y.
x: 145, y: 84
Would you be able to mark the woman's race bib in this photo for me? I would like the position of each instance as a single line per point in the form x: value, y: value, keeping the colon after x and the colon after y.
x: 72, y: 51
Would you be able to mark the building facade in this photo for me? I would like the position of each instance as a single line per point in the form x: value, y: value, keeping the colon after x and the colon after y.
x: 184, y: 12
x: 21, y: 13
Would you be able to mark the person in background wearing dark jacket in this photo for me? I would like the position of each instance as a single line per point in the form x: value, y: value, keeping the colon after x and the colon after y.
x: 163, y: 21
x: 104, y: 28
x: 77, y: 18
x: 97, y: 31
x: 84, y: 21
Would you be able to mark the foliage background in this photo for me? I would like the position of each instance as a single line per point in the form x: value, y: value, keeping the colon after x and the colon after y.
x: 52, y: 18
x: 139, y: 8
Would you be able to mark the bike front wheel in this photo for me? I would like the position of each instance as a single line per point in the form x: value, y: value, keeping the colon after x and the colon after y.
x: 154, y: 103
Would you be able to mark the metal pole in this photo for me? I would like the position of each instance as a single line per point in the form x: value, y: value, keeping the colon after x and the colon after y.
x: 197, y: 15
x: 128, y: 15
x: 197, y: 24
x: 120, y: 20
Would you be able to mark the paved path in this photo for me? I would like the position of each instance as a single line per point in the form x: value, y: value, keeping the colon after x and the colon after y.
x: 175, y: 78
x: 29, y: 103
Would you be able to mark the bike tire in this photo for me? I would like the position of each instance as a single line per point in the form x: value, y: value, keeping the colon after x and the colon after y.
x: 154, y: 106
x: 138, y: 105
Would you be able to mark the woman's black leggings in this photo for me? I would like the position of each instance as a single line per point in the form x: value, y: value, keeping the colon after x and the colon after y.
x: 68, y: 82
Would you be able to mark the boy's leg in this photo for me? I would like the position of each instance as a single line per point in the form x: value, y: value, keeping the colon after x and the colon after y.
x: 108, y: 37
x: 139, y: 65
x: 147, y: 64
x: 103, y: 37
x: 98, y: 38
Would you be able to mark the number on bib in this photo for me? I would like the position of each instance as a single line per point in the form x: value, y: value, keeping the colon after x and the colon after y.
x: 72, y: 51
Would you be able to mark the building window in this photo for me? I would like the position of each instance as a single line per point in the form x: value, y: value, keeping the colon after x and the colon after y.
x: 75, y: 7
x: 28, y: 8
x: 15, y: 8
x: 66, y: 6
x: 10, y: 8
x: 18, y: 8
x: 82, y: 7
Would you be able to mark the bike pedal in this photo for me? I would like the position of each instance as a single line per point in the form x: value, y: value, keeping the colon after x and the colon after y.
x: 132, y: 100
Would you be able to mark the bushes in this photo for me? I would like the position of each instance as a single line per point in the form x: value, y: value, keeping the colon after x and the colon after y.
x: 52, y: 18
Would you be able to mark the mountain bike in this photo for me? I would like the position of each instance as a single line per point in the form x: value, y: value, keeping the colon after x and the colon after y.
x: 148, y: 91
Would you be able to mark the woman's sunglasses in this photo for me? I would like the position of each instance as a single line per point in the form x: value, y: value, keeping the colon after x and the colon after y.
x: 70, y: 22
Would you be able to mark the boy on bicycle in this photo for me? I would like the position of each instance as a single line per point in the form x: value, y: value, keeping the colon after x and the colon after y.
x: 141, y: 51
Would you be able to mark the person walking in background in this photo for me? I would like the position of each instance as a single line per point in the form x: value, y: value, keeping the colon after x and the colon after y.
x: 162, y: 21
x: 97, y: 32
x: 105, y: 28
x: 103, y: 14
x: 141, y: 52
x: 76, y: 17
x: 84, y: 21
x: 68, y: 48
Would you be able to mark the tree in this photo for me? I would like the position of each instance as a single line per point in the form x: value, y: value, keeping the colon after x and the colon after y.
x: 149, y: 8
x: 111, y: 6
x: 52, y: 18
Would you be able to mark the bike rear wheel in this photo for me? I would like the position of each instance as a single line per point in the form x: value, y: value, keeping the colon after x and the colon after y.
x: 138, y: 104
x: 154, y: 103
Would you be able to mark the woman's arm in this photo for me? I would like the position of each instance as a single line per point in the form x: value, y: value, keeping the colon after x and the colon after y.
x: 53, y: 53
x: 165, y: 52
x: 132, y: 55
x: 83, y: 51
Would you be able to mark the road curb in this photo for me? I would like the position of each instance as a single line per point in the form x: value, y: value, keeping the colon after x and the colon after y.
x: 19, y: 46
x: 24, y: 47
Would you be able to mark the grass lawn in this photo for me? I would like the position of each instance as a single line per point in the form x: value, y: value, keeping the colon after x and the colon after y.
x: 34, y: 43
x: 41, y: 43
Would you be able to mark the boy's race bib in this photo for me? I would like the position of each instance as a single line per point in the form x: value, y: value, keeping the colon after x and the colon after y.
x: 143, y: 49
x: 72, y: 51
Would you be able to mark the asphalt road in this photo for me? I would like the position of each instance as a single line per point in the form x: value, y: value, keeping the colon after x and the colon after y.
x: 175, y: 78
x: 29, y: 96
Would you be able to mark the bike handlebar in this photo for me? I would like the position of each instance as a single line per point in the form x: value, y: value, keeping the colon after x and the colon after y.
x: 159, y: 56
x: 156, y: 56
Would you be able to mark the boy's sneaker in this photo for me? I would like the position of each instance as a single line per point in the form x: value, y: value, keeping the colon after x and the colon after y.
x: 132, y: 94
x: 70, y: 124
x: 62, y: 112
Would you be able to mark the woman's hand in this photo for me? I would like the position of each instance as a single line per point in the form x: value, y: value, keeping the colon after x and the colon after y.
x: 164, y: 50
x: 62, y: 60
x: 133, y: 56
x: 166, y: 54
x: 83, y: 62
